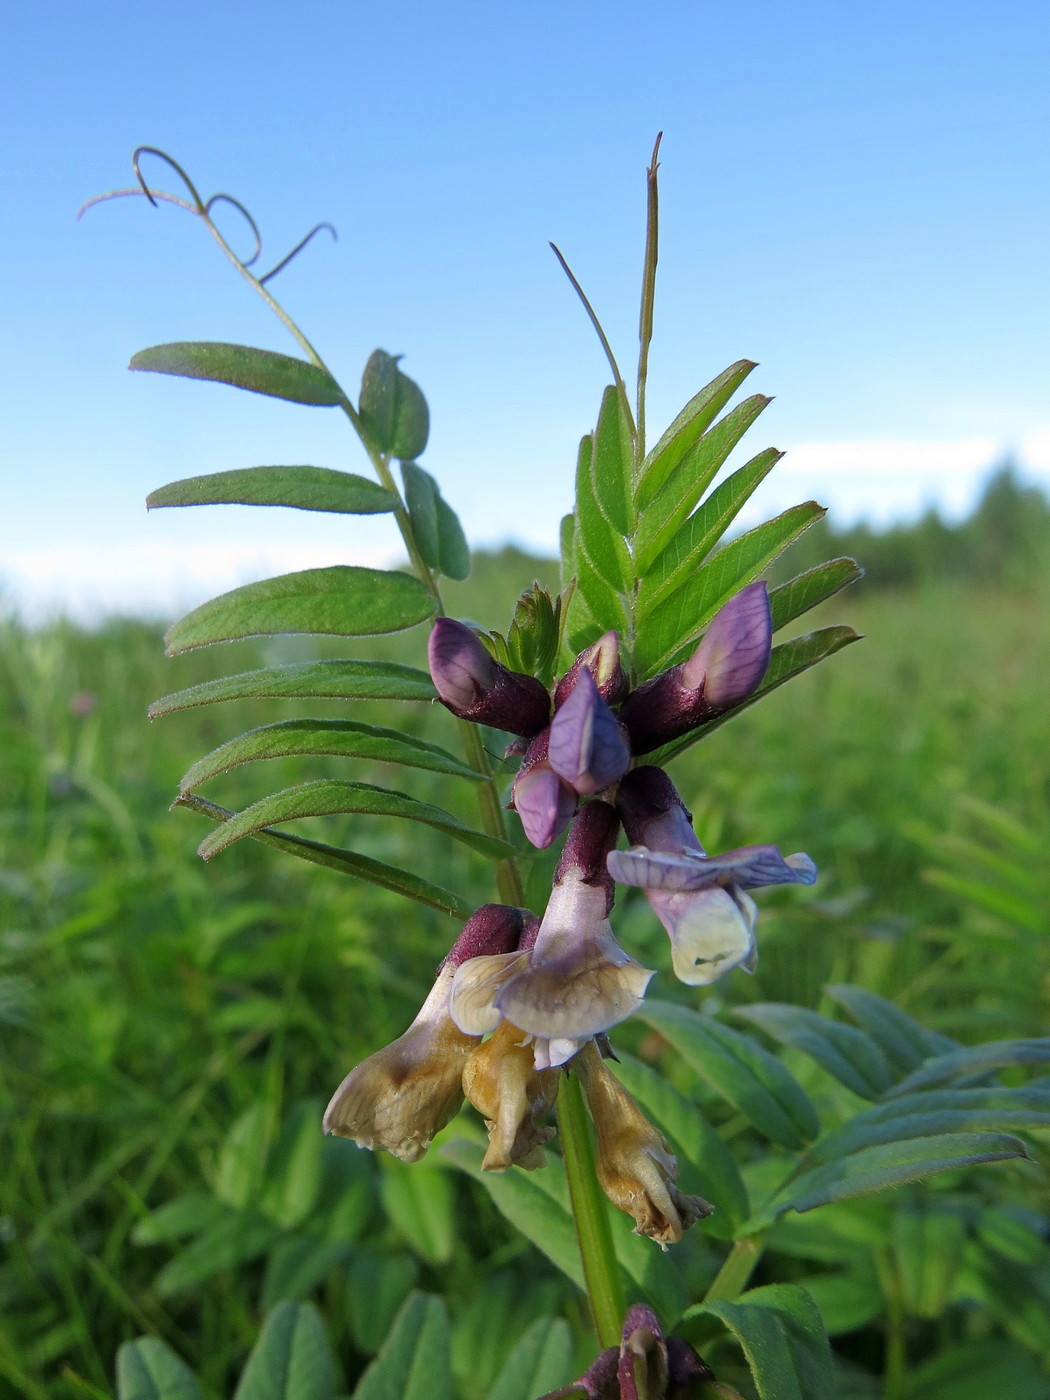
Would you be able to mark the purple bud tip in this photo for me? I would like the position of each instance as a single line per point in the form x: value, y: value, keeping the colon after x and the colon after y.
x: 460, y: 667
x: 653, y: 812
x: 602, y: 660
x: 494, y: 928
x: 544, y: 804
x: 734, y: 652
x: 587, y: 745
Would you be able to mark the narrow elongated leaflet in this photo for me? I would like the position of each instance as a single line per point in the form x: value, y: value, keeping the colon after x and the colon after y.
x: 815, y: 586
x: 291, y: 1360
x: 748, y: 1077
x: 668, y: 633
x: 902, y: 1039
x: 332, y: 796
x: 845, y: 1052
x: 343, y: 738
x: 611, y: 463
x: 376, y: 872
x: 148, y: 1369
x: 787, y: 660
x: 687, y: 427
x: 320, y: 680
x: 782, y: 1335
x: 435, y: 526
x: 541, y: 1360
x: 243, y: 366
x: 302, y: 488
x: 414, y: 1362
x: 974, y: 1059
x: 596, y: 538
x: 697, y: 536
x: 690, y: 479
x: 340, y: 601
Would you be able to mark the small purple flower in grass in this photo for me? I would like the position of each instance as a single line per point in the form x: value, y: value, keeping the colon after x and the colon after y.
x: 474, y: 686
x: 398, y: 1098
x: 726, y: 668
x: 701, y: 900
x: 587, y: 744
x: 576, y: 980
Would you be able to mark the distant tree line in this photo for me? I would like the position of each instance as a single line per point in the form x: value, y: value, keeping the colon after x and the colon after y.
x: 1004, y: 542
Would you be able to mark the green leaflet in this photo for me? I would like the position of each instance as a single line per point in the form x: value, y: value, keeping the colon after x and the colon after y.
x: 376, y: 872
x: 904, y: 1042
x: 927, y: 1247
x: 298, y: 1264
x: 303, y: 488
x: 796, y: 597
x: 292, y: 1359
x: 393, y: 410
x: 377, y: 1284
x: 341, y: 601
x: 698, y: 535
x: 294, y: 1167
x: 975, y: 1059
x: 677, y: 497
x: 975, y: 1371
x: 748, y: 1077
x: 174, y: 1220
x: 611, y: 463
x: 435, y: 525
x: 668, y: 632
x: 780, y: 1330
x: 881, y: 1167
x: 694, y: 1141
x: 787, y: 660
x: 261, y: 371
x: 237, y: 1238
x: 148, y: 1369
x: 942, y: 1111
x: 322, y: 680
x: 331, y: 796
x: 541, y: 1361
x: 598, y: 541
x: 848, y: 1054
x: 342, y: 738
x: 686, y: 428
x: 420, y: 1204
x: 414, y: 1362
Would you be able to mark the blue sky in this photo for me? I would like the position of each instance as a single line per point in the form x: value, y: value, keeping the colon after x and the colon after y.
x: 855, y: 196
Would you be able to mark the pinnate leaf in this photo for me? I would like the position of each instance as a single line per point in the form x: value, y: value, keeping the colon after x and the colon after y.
x: 243, y: 366
x: 687, y: 427
x: 303, y: 488
x: 796, y: 597
x: 320, y: 680
x: 393, y: 410
x: 342, y: 601
x: 292, y: 1359
x: 342, y: 738
x: 976, y: 1059
x: 903, y: 1040
x: 331, y: 796
x: 748, y: 1077
x: 780, y: 1330
x: 148, y: 1369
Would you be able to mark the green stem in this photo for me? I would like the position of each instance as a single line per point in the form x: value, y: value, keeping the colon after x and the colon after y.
x: 740, y: 1263
x: 601, y: 1272
x: 895, y: 1356
x: 645, y: 319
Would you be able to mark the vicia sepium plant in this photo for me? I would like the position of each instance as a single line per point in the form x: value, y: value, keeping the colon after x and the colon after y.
x: 664, y: 630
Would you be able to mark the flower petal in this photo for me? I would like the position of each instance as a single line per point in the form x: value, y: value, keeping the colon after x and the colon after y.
x: 711, y: 932
x: 587, y: 746
x: 749, y: 867
x: 477, y: 983
x: 734, y: 651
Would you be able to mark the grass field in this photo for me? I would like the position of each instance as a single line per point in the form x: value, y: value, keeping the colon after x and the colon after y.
x: 171, y: 1030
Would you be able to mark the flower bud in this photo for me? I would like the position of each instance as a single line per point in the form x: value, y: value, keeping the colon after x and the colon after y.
x: 588, y: 748
x: 602, y: 660
x: 541, y: 799
x: 474, y: 686
x: 725, y: 668
x: 636, y: 1168
x: 502, y: 1083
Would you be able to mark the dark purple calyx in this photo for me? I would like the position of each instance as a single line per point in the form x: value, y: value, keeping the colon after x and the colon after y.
x: 591, y: 837
x: 474, y: 686
x: 602, y: 659
x: 494, y: 928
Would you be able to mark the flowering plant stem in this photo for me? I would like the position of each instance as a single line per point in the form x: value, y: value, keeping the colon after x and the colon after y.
x: 732, y: 1278
x: 590, y: 1214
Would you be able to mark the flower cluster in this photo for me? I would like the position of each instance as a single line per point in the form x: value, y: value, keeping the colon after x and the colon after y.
x: 519, y: 997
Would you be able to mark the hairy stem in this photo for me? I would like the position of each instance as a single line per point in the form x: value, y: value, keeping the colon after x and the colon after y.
x: 732, y: 1278
x: 590, y: 1213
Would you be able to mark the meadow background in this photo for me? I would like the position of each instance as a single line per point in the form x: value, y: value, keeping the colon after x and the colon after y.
x: 172, y: 1030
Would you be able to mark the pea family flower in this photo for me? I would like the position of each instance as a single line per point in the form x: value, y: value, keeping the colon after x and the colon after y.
x: 701, y: 900
x: 645, y: 1366
x: 725, y: 668
x: 402, y: 1095
x: 575, y: 981
x: 474, y: 686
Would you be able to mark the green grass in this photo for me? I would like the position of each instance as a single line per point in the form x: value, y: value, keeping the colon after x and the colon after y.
x: 162, y: 1019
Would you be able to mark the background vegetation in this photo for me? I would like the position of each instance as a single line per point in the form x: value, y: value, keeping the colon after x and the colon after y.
x: 171, y: 1030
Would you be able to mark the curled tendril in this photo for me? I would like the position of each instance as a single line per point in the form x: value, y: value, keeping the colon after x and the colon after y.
x: 203, y: 209
x: 236, y: 203
x: 297, y: 250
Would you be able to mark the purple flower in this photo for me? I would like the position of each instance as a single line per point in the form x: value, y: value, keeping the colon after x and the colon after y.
x: 602, y: 660
x: 474, y: 686
x: 645, y: 1366
x: 726, y: 668
x: 576, y: 980
x: 541, y: 799
x: 587, y: 744
x: 701, y: 900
